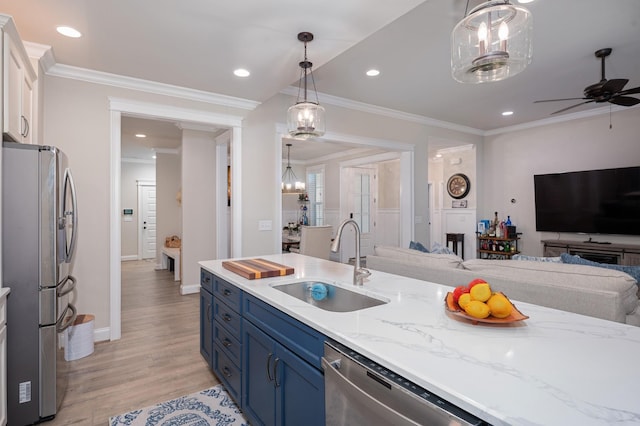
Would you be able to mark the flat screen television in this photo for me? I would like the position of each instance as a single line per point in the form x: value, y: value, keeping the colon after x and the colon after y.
x: 591, y: 202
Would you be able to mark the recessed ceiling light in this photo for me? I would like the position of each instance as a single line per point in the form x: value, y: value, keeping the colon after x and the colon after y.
x: 373, y: 73
x: 506, y: 113
x: 241, y: 72
x: 68, y: 31
x: 438, y: 155
x: 140, y: 135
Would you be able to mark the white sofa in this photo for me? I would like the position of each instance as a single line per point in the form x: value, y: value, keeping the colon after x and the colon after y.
x: 586, y: 290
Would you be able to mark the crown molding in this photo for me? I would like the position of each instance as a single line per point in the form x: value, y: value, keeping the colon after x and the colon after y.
x: 559, y: 119
x: 99, y: 77
x: 386, y: 112
x: 172, y: 151
x: 41, y: 52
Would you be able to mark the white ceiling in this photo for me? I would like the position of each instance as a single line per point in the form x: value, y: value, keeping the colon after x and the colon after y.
x: 198, y: 43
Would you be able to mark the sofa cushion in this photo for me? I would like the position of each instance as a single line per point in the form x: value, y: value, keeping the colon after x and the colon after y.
x: 634, y: 271
x: 416, y: 245
x: 561, y: 284
x: 432, y: 260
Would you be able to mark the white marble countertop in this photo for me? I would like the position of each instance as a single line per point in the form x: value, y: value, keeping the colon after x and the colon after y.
x: 555, y: 368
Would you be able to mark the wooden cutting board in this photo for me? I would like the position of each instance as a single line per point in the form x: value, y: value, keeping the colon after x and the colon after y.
x: 257, y: 268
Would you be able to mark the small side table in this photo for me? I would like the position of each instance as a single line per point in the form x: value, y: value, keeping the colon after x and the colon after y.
x: 455, y: 239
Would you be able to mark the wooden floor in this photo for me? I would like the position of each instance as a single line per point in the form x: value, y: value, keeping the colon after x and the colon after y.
x: 157, y: 359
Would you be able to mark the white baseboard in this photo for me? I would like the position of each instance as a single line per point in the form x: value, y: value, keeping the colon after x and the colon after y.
x: 189, y: 289
x: 102, y: 334
x: 129, y: 258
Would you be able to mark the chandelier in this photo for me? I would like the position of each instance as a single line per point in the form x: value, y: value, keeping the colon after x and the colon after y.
x: 305, y: 119
x: 491, y: 43
x: 290, y: 181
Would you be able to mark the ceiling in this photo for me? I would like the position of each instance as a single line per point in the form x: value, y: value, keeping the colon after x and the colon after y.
x: 197, y: 44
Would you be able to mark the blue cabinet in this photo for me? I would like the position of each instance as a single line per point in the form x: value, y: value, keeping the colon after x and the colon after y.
x: 268, y: 361
x: 280, y: 388
x: 283, y: 383
x: 206, y: 326
x: 220, y: 331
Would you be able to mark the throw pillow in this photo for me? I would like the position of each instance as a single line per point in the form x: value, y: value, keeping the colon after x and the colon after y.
x: 634, y: 271
x: 440, y: 249
x: 556, y: 259
x: 414, y: 245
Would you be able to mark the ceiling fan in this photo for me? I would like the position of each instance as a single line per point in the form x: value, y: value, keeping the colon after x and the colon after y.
x: 603, y: 91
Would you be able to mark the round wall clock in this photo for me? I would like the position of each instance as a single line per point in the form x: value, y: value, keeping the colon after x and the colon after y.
x: 458, y: 186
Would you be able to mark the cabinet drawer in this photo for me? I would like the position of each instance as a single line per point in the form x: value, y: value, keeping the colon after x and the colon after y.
x: 228, y: 373
x: 227, y: 342
x: 206, y: 280
x: 226, y: 316
x: 299, y: 338
x: 228, y: 293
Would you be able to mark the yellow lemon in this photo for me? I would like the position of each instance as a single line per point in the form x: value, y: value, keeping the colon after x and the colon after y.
x: 477, y: 309
x: 480, y: 292
x: 464, y: 300
x: 500, y: 306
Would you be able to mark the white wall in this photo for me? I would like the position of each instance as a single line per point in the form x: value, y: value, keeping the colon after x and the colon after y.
x: 77, y: 120
x: 511, y: 160
x: 168, y: 183
x: 131, y: 172
x: 198, y: 203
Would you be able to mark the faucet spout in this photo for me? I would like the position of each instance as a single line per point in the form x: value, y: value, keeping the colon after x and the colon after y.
x: 359, y: 273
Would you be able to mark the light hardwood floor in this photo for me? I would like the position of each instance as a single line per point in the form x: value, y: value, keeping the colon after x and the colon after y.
x: 157, y: 359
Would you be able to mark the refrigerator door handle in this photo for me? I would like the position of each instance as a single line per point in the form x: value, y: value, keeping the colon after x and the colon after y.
x: 69, y: 185
x: 72, y: 285
x: 66, y: 321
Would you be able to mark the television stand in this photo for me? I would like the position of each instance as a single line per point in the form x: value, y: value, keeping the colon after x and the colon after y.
x: 590, y: 241
x: 613, y: 253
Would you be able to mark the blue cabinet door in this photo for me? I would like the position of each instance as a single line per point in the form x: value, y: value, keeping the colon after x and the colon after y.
x: 206, y: 326
x: 280, y: 387
x: 257, y: 372
x: 299, y: 391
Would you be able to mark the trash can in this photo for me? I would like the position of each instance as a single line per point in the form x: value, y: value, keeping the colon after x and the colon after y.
x: 79, y: 338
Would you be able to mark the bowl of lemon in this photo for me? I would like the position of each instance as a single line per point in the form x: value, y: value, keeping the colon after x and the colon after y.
x: 477, y: 302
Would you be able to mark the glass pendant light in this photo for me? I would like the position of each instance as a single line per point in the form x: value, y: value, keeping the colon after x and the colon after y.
x: 491, y: 43
x: 290, y: 182
x: 305, y: 119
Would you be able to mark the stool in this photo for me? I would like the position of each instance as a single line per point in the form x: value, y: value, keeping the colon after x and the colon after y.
x: 455, y: 239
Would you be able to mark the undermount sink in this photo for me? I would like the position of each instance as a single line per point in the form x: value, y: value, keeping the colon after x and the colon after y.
x: 328, y: 296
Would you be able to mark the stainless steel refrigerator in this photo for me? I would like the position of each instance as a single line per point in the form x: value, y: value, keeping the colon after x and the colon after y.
x: 39, y: 232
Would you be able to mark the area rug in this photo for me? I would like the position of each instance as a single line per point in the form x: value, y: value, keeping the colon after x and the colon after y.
x: 210, y: 407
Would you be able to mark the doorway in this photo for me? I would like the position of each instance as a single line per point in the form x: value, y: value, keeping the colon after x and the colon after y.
x: 120, y: 107
x: 360, y: 151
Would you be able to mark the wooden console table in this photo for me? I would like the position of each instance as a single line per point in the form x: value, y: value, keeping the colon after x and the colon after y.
x: 620, y: 254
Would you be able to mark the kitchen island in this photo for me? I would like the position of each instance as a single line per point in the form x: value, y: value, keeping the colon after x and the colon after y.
x: 554, y: 368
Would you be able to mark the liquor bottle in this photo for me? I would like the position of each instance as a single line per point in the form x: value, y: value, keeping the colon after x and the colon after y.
x: 508, y: 222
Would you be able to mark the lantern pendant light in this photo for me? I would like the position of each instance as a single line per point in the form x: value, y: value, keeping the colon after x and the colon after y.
x: 305, y: 119
x: 290, y: 182
x: 491, y: 43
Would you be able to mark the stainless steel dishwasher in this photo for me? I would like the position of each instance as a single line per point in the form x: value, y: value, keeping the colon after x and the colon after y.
x: 359, y: 391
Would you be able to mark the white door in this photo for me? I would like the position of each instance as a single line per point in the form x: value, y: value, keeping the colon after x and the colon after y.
x: 147, y: 221
x: 360, y: 199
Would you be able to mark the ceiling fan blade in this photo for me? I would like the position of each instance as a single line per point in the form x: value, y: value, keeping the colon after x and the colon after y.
x: 624, y: 100
x: 555, y: 100
x: 615, y: 85
x: 572, y: 106
x: 630, y: 91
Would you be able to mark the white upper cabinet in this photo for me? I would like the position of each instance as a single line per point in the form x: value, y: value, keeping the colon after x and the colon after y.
x: 18, y: 85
